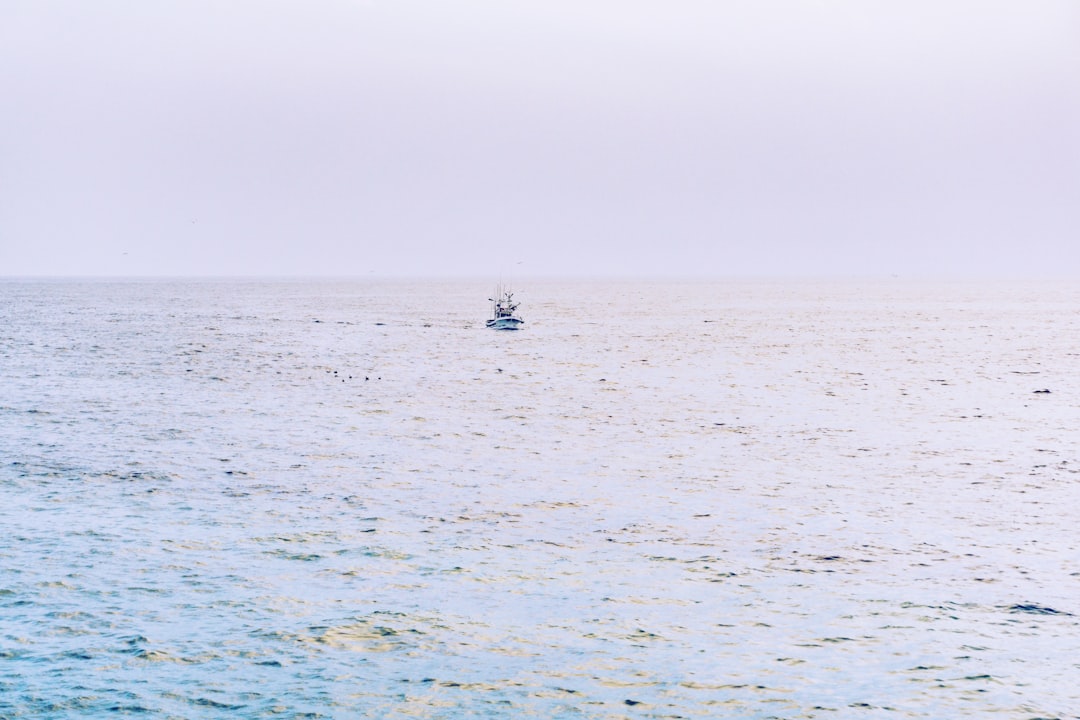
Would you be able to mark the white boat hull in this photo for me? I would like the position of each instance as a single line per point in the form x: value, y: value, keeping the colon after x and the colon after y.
x: 505, y: 323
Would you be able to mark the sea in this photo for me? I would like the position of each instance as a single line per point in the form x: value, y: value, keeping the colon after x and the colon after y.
x: 711, y: 499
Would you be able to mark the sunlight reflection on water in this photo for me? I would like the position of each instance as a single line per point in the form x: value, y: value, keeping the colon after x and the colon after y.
x: 658, y: 500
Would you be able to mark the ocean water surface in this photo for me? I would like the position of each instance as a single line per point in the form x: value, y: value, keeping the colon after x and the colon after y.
x: 289, y: 499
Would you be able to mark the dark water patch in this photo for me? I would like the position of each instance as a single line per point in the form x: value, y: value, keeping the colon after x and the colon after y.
x: 641, y: 634
x: 215, y: 704
x: 301, y: 557
x: 1033, y: 609
x: 133, y: 645
x: 137, y: 476
x: 92, y: 534
x: 299, y: 538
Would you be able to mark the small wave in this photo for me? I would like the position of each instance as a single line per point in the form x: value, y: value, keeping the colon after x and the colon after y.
x: 207, y: 702
x: 1033, y: 609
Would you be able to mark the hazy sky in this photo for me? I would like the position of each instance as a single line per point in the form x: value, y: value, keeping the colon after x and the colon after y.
x: 539, y: 137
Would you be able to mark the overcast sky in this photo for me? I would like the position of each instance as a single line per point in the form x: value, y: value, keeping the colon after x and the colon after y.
x: 539, y: 137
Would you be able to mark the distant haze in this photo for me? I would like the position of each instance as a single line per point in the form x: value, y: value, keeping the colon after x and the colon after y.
x: 485, y: 138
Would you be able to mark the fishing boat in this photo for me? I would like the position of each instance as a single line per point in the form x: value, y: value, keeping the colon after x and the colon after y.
x: 503, y: 308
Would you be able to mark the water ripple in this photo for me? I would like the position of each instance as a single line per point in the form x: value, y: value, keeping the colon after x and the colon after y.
x: 828, y: 500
